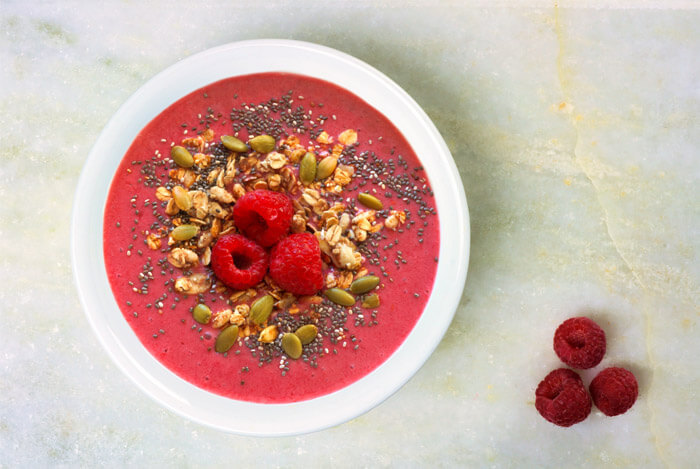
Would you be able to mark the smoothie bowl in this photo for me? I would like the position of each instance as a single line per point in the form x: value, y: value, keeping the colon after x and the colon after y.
x: 270, y: 237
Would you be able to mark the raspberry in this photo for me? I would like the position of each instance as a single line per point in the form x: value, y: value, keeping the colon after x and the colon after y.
x: 580, y: 343
x: 295, y: 264
x: 263, y: 216
x: 614, y: 391
x: 562, y: 399
x: 238, y: 262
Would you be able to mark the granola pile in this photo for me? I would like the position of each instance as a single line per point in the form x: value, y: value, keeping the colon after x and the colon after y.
x: 198, y: 198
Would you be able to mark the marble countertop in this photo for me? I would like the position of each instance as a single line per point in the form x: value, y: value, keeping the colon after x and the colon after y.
x: 575, y: 131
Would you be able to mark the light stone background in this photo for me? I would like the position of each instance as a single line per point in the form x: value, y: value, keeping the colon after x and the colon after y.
x: 575, y: 129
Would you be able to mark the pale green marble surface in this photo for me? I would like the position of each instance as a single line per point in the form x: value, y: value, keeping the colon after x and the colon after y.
x: 575, y: 131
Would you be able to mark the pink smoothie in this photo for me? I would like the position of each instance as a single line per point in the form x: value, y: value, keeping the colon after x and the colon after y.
x: 140, y: 277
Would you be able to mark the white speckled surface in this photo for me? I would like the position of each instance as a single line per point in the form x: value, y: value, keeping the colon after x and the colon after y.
x: 576, y: 134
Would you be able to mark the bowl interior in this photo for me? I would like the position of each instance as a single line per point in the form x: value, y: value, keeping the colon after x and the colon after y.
x: 239, y: 59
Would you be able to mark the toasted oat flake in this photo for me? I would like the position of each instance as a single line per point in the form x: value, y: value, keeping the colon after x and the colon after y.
x: 348, y: 137
x: 181, y: 257
x: 268, y: 335
x: 221, y: 195
x: 153, y: 241
x: 333, y: 234
x: 323, y: 137
x: 221, y: 318
x: 163, y: 194
x: 276, y: 160
x: 395, y: 218
x: 193, y: 284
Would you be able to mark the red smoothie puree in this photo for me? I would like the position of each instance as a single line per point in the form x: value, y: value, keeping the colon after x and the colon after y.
x: 351, y: 341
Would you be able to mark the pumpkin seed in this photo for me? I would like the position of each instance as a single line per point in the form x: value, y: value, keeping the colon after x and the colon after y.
x: 370, y: 301
x: 182, y: 198
x: 184, y: 232
x: 369, y: 201
x: 307, y: 333
x: 181, y: 156
x: 262, y: 143
x: 326, y: 167
x: 364, y: 284
x: 226, y: 339
x: 291, y: 344
x: 341, y: 297
x: 201, y: 313
x: 234, y: 144
x: 261, y: 309
x: 307, y: 168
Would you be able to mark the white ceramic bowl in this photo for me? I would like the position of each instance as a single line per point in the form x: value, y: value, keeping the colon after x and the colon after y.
x: 122, y: 344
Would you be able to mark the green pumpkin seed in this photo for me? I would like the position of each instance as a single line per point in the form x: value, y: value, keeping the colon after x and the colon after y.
x: 306, y: 333
x: 181, y: 156
x: 364, y: 284
x: 234, y: 144
x: 226, y: 339
x: 291, y: 344
x: 307, y: 168
x: 369, y: 201
x: 370, y: 301
x: 184, y: 232
x: 341, y: 297
x: 261, y: 309
x: 326, y: 167
x: 262, y: 143
x: 182, y: 198
x: 201, y: 313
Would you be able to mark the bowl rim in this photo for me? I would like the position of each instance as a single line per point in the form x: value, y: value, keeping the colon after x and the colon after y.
x: 112, y: 330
